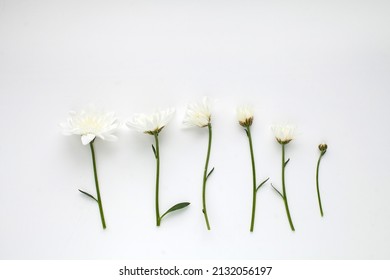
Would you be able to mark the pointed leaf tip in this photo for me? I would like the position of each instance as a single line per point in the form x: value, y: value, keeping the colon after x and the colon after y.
x: 175, y: 208
x: 286, y: 162
x: 277, y: 190
x: 211, y: 171
x: 89, y: 195
x: 154, y: 151
x: 265, y: 181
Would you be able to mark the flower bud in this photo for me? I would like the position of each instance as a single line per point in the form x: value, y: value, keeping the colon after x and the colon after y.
x: 323, y: 147
x: 245, y: 116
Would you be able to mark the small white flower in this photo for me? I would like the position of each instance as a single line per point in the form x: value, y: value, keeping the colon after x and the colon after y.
x: 151, y: 124
x: 91, y: 123
x: 284, y: 133
x: 245, y: 115
x: 198, y: 114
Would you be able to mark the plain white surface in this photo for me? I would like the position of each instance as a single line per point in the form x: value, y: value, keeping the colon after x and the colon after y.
x: 323, y: 65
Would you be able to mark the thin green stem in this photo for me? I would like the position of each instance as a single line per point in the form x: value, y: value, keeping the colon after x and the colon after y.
x: 205, y: 173
x: 284, y: 190
x: 99, y: 199
x: 158, y: 218
x: 318, y: 185
x: 253, y: 179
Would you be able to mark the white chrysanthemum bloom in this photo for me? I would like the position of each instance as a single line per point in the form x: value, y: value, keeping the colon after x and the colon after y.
x: 245, y: 115
x: 283, y: 133
x: 151, y: 124
x: 198, y: 114
x: 91, y: 123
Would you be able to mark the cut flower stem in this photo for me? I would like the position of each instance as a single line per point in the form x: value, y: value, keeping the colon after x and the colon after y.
x: 99, y: 199
x: 284, y: 163
x: 178, y: 206
x: 157, y: 155
x: 317, y: 180
x: 205, y: 177
x: 253, y: 178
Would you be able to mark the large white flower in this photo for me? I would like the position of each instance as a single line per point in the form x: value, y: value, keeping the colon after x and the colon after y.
x: 198, y: 114
x: 91, y: 123
x: 284, y: 133
x: 245, y: 115
x: 151, y: 124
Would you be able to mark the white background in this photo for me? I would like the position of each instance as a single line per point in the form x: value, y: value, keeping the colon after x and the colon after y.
x: 322, y: 65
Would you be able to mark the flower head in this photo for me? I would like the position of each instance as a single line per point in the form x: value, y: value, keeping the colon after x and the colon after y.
x: 283, y: 133
x: 323, y: 147
x: 245, y: 115
x: 151, y: 124
x: 91, y: 123
x: 198, y: 114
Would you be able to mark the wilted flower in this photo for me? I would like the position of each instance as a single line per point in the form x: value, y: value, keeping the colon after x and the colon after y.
x: 284, y: 133
x: 91, y: 123
x: 151, y: 124
x: 245, y: 115
x: 198, y: 114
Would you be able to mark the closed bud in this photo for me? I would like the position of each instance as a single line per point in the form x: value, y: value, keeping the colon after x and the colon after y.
x: 323, y: 147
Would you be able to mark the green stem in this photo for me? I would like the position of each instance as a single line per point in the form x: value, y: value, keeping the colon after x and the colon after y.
x: 204, y: 210
x: 284, y: 191
x: 318, y: 186
x: 158, y: 218
x: 253, y: 179
x: 99, y: 199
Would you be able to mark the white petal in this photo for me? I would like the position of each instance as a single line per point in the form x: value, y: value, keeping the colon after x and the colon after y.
x: 153, y: 122
x: 90, y: 122
x: 198, y: 114
x: 86, y: 139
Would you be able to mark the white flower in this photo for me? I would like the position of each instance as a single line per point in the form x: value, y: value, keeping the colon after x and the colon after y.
x: 284, y: 133
x: 91, y: 123
x: 151, y: 124
x: 245, y: 115
x: 198, y: 114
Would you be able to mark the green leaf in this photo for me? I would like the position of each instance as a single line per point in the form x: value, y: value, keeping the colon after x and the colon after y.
x: 211, y: 171
x: 89, y: 195
x: 277, y: 191
x: 176, y: 207
x: 286, y: 162
x: 154, y: 151
x: 246, y: 131
x: 265, y: 181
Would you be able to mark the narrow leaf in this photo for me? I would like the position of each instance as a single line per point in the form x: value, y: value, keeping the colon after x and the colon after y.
x: 277, y: 191
x: 211, y: 171
x: 246, y: 131
x: 265, y: 181
x: 89, y: 195
x: 176, y: 207
x: 286, y: 162
x: 154, y: 151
